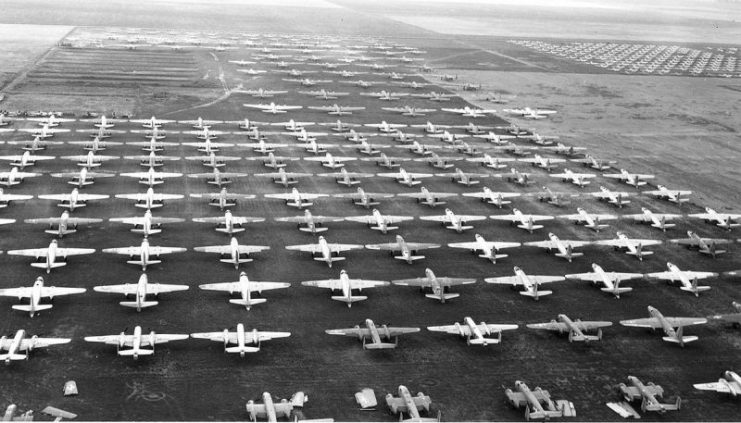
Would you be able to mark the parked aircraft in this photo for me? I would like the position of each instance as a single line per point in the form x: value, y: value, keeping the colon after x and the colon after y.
x: 201, y: 123
x: 5, y: 199
x: 144, y: 252
x: 241, y: 338
x: 490, y: 197
x: 564, y: 248
x: 385, y: 127
x: 324, y: 94
x: 523, y: 221
x: 549, y: 164
x: 140, y: 290
x: 470, y: 112
x: 734, y: 318
x: 488, y: 249
x: 37, y: 144
x: 385, y: 161
x: 726, y: 221
x: 297, y: 199
x: 152, y: 122
x: 594, y: 163
x: 668, y: 325
x: 138, y: 342
x: 438, y: 284
x: 475, y: 334
x: 270, y: 409
x: 377, y: 335
x: 310, y: 223
x: 346, y: 285
x: 223, y: 199
x: 614, y: 198
x: 147, y: 224
x: 380, y: 222
x: 633, y: 179
x: 656, y: 220
x: 385, y: 95
x: 337, y: 110
x: 82, y: 178
x: 574, y: 328
x: 233, y: 252
x: 424, y: 196
x: 464, y: 178
x: 407, y: 251
x: 151, y: 160
x: 65, y: 224
x: 19, y: 344
x: 529, y: 282
x: 537, y: 402
x: 589, y: 220
x: 330, y: 161
x: 730, y: 383
x: 245, y: 287
x: 578, y: 179
x: 272, y: 108
x: 529, y: 113
x: 496, y: 138
x: 152, y: 177
x: 364, y: 199
x: 217, y: 177
x: 263, y: 93
x: 610, y: 280
x: 343, y: 177
x: 409, y: 110
x: 74, y: 199
x: 47, y: 257
x: 647, y: 393
x: 633, y: 247
x: 228, y: 223
x: 25, y: 159
x: 452, y: 221
x: 671, y: 195
x: 36, y: 292
x: 153, y: 145
x: 517, y: 177
x: 687, y: 278
x: 406, y: 403
x: 325, y: 251
x: 406, y: 178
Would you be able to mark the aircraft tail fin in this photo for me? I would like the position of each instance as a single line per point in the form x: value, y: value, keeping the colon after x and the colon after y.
x: 694, y: 288
x: 143, y: 304
x: 12, y: 357
x: 443, y: 296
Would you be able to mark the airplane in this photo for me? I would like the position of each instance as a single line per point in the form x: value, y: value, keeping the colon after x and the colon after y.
x: 284, y: 178
x: 346, y: 285
x: 273, y: 161
x: 464, y: 178
x: 726, y: 221
x: 514, y: 130
x: 528, y: 113
x: 272, y: 108
x: 82, y: 178
x: 431, y: 128
x: 589, y: 220
x: 368, y: 149
x: 263, y: 93
x: 212, y: 160
x: 25, y: 159
x: 475, y: 129
x: 708, y: 246
x: 270, y: 409
x: 36, y: 292
x: 489, y: 249
x: 578, y: 179
x: 490, y: 161
x: 386, y: 161
x: 137, y: 342
x: 3, y: 122
x: 564, y: 149
x: 575, y: 328
x: 498, y: 139
x: 364, y: 199
x: 262, y: 147
x: 379, y: 222
x: 5, y: 199
x: 36, y: 145
x: 229, y: 224
x: 406, y: 403
x: 420, y: 149
x: 153, y: 177
x: 99, y: 135
x: 297, y: 199
x: 153, y: 145
x: 140, y: 290
x: 647, y: 394
x: 475, y: 334
x: 517, y: 177
x: 515, y: 149
x: 448, y: 137
x: 633, y: 247
x: 413, y: 84
x: 523, y: 221
x: 656, y: 220
x: 470, y: 112
x: 19, y: 344
x: 201, y: 123
x: 207, y: 146
x: 594, y: 162
x: 245, y: 287
x: 435, y: 96
x: 145, y: 252
x: 247, y: 124
x: 407, y: 250
x: 730, y: 383
x: 337, y: 110
x: 529, y: 282
x: 612, y: 197
x: 150, y: 200
x: 360, y: 83
x: 610, y: 280
x: 152, y: 159
x: 232, y: 252
x: 424, y: 196
x: 147, y: 224
x: 223, y: 199
x: 376, y: 334
x: 65, y: 224
x: 386, y: 127
x: 667, y: 324
x: 409, y: 110
x: 51, y: 121
x: 537, y: 402
x: 406, y: 178
x: 292, y: 125
x: 44, y: 132
x: 217, y: 177
x: 90, y: 159
x: 152, y: 122
x: 296, y: 72
x: 495, y: 98
x: 687, y: 278
x: 565, y: 248
x: 325, y: 251
x: 557, y: 199
x: 633, y: 179
x: 343, y: 177
x: 438, y: 284
x: 340, y: 126
x: 453, y: 221
x: 15, y: 177
x: 241, y: 338
x: 346, y: 73
x: 74, y: 199
x: 672, y: 196
x: 252, y: 71
x: 330, y: 161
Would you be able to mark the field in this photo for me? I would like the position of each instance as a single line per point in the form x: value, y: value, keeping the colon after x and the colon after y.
x: 686, y: 138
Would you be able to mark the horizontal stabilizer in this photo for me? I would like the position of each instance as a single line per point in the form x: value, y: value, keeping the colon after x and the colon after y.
x: 493, y: 257
x: 229, y: 231
x: 664, y: 225
x: 484, y: 341
x: 461, y: 228
x: 250, y: 302
x: 349, y: 300
x: 141, y: 231
x: 129, y: 353
x: 333, y: 259
x: 534, y: 294
x: 445, y: 296
x: 245, y: 349
x: 13, y: 357
x: 639, y: 253
x: 143, y: 304
x: 316, y: 229
x: 56, y: 232
x: 569, y: 255
x: 616, y: 291
x: 141, y: 263
x: 412, y: 258
x: 387, y: 228
x: 695, y: 288
x: 533, y: 227
x: 379, y: 346
x: 29, y: 308
x: 51, y: 266
x: 232, y: 261
x: 684, y: 339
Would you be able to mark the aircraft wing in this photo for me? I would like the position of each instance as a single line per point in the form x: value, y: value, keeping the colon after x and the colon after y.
x: 685, y: 321
x: 563, y: 327
x: 15, y: 197
x: 27, y: 344
x: 226, y: 249
x: 302, y: 219
x: 162, y: 338
x: 421, y: 195
x: 694, y: 241
x: 708, y: 216
x: 53, y: 291
x: 357, y: 196
x: 315, y: 248
x: 444, y: 281
x: 579, y: 218
x: 421, y: 245
x: 5, y: 175
x: 56, y: 220
x: 357, y: 331
x: 453, y: 329
x: 660, y: 193
x: 111, y: 339
x: 622, y: 242
x: 689, y: 274
x: 552, y: 245
x: 647, y: 322
x: 215, y: 195
x: 594, y: 277
x: 22, y: 292
x: 514, y: 280
x: 30, y: 252
x: 143, y: 175
x: 446, y: 218
x: 236, y: 286
x: 475, y: 245
x: 721, y: 385
x: 129, y: 251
